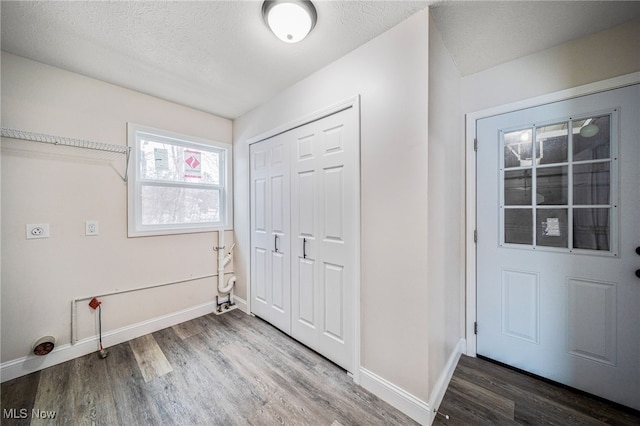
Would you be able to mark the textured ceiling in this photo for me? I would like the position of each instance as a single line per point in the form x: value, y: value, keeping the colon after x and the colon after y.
x: 216, y: 56
x: 482, y: 34
x: 219, y: 57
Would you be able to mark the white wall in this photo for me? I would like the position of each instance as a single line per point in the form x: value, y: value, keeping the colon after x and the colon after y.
x: 603, y: 55
x: 446, y: 208
x: 64, y: 187
x: 390, y: 74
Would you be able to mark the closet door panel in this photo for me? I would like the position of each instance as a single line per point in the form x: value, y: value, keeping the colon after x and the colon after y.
x: 259, y: 229
x: 280, y: 226
x: 305, y: 290
x: 334, y: 325
x: 305, y: 145
x: 324, y: 187
x: 337, y: 244
x: 270, y: 232
x: 277, y: 205
x: 306, y: 210
x: 333, y: 202
x: 279, y: 294
x: 260, y: 276
x: 260, y: 209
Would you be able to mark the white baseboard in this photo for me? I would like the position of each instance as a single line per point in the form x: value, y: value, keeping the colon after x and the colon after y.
x: 242, y: 304
x: 19, y: 367
x: 412, y: 406
x: 420, y: 411
x: 440, y: 387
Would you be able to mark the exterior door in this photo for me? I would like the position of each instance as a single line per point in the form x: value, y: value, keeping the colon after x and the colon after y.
x: 270, y: 232
x: 324, y: 205
x: 558, y: 217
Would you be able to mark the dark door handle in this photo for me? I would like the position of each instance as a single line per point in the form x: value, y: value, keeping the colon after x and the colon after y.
x: 304, y: 248
x: 275, y: 242
x: 638, y: 273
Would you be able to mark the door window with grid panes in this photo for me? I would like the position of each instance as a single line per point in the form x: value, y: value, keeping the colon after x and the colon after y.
x: 558, y: 185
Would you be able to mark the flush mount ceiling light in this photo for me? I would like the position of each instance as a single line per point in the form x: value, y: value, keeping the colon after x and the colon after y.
x: 290, y: 20
x: 589, y: 129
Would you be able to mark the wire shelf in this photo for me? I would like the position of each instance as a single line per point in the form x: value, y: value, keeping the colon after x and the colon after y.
x: 58, y: 140
x: 70, y: 142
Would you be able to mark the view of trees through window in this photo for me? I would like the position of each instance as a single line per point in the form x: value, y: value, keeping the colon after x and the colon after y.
x: 179, y: 184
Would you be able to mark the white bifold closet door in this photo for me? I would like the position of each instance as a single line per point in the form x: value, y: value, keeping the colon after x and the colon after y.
x: 270, y: 232
x: 314, y: 299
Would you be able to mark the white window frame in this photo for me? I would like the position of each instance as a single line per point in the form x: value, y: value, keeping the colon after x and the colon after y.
x: 135, y: 183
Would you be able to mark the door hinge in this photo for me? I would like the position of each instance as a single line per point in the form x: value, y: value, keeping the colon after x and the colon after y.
x: 475, y: 235
x: 475, y: 144
x: 475, y: 327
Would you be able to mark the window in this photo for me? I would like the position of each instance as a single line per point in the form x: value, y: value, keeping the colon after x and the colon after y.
x: 557, y: 185
x: 177, y: 183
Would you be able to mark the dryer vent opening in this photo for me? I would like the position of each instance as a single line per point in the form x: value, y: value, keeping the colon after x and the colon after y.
x: 43, y: 345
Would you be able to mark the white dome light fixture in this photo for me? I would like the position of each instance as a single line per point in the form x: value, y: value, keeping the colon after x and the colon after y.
x: 589, y: 130
x: 289, y: 20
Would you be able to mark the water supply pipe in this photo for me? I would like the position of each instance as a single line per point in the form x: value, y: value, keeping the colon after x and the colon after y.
x: 74, y: 302
x: 223, y: 261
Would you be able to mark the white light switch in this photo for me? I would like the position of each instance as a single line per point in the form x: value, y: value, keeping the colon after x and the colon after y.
x: 91, y: 227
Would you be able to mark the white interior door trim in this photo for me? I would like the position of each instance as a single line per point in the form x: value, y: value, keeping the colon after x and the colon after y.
x: 351, y: 102
x: 471, y: 226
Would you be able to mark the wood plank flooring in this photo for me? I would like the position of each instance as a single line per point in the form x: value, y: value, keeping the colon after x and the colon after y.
x: 484, y: 393
x: 235, y: 369
x: 232, y: 369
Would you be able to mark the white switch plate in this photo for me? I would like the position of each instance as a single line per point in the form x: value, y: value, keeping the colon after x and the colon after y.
x: 37, y: 230
x: 91, y: 227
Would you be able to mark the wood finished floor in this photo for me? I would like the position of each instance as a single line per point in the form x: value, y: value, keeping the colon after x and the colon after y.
x: 237, y: 370
x: 232, y: 369
x: 484, y: 393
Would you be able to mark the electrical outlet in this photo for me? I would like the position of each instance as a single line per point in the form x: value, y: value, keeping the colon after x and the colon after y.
x: 37, y: 230
x: 91, y: 227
